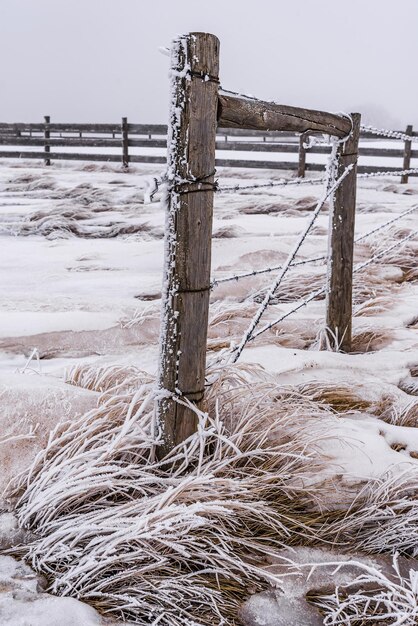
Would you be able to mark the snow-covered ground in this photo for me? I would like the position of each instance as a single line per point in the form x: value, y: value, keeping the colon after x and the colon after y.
x: 81, y: 259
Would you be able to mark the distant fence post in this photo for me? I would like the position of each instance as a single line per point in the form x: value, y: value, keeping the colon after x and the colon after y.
x: 407, y: 155
x: 302, y: 155
x: 341, y: 247
x: 125, y: 149
x: 191, y: 169
x: 47, y: 134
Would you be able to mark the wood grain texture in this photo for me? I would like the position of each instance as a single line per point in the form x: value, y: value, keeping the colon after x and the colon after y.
x: 407, y: 155
x: 191, y: 156
x: 234, y: 112
x: 341, y: 246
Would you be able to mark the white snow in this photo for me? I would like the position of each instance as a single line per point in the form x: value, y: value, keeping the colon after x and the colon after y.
x: 86, y: 299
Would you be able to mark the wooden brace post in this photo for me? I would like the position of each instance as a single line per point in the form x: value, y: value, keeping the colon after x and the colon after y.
x: 190, y: 173
x: 239, y: 112
x: 341, y: 245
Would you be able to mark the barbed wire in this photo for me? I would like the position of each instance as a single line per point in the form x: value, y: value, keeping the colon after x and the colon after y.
x: 274, y: 183
x: 384, y: 252
x: 157, y: 182
x: 237, y: 277
x: 271, y: 292
x: 322, y: 290
x: 241, y: 95
x: 154, y: 186
x: 219, y: 281
x: 391, y: 134
x: 388, y: 173
x: 386, y: 224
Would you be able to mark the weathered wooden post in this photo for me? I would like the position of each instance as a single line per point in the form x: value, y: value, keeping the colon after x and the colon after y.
x: 191, y: 169
x: 125, y: 144
x: 341, y: 245
x: 407, y: 155
x: 47, y: 134
x: 302, y: 155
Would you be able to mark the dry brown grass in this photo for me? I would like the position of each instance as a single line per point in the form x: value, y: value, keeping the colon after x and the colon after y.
x: 124, y: 532
x: 374, y: 306
x: 183, y: 537
x: 370, y: 340
x: 346, y: 398
x: 66, y: 221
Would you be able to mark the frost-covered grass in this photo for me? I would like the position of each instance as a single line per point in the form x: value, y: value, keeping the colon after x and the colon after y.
x: 178, y: 539
x: 307, y: 447
x: 372, y: 597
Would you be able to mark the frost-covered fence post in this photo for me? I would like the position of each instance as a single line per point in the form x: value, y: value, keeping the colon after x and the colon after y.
x: 190, y: 182
x: 125, y: 149
x: 47, y: 147
x: 341, y: 245
x: 407, y: 155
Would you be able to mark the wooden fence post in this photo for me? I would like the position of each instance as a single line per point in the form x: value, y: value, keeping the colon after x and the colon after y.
x: 302, y: 155
x: 47, y: 134
x: 341, y: 245
x: 191, y: 169
x: 125, y: 149
x: 407, y: 155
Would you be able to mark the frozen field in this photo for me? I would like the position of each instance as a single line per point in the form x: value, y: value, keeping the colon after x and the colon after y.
x: 81, y: 259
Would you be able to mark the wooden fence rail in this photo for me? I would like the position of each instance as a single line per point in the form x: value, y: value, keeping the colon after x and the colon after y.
x: 50, y: 136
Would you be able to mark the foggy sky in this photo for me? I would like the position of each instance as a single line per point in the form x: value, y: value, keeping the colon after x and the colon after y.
x: 98, y: 60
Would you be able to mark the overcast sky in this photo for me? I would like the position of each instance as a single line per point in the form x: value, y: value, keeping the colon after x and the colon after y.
x: 97, y: 60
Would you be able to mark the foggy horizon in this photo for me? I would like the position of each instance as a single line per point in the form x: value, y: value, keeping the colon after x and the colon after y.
x: 99, y: 60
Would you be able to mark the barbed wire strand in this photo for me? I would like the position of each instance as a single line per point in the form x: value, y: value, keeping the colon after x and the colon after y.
x: 219, y: 281
x: 323, y: 257
x: 270, y: 292
x: 313, y: 181
x: 241, y: 95
x: 315, y: 294
x: 273, y: 183
x: 391, y: 134
x: 150, y: 193
x: 386, y: 224
x: 388, y: 173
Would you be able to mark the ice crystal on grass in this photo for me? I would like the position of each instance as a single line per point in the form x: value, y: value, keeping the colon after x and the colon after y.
x: 373, y: 598
x: 172, y: 540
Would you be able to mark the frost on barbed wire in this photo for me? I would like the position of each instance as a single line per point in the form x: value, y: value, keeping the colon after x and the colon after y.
x: 391, y: 134
x: 304, y: 302
x: 273, y: 183
x: 219, y: 281
x: 331, y: 167
x: 413, y: 171
x: 273, y: 288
